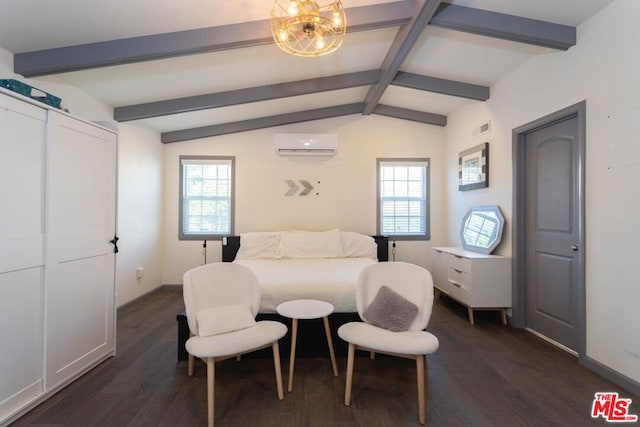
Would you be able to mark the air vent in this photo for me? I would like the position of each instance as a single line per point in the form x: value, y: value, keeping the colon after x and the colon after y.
x: 482, y: 129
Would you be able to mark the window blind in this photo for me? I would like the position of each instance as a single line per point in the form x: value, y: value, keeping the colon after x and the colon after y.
x: 403, y: 197
x: 206, y: 197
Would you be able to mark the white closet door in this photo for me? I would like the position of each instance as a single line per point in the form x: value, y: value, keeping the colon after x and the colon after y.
x: 22, y: 134
x: 79, y: 280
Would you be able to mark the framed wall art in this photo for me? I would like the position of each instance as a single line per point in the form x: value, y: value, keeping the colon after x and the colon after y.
x: 473, y: 168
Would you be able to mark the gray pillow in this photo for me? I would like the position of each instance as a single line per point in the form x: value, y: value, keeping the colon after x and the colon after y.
x: 390, y: 310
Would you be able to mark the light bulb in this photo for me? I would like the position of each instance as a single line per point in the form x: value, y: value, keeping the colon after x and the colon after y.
x: 337, y: 19
x: 292, y: 10
x: 320, y: 43
x: 283, y: 35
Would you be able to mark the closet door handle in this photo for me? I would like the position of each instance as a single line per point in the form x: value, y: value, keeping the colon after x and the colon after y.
x: 114, y: 242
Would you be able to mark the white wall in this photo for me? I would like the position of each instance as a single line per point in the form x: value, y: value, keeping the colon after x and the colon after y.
x: 602, y: 69
x: 460, y: 136
x: 140, y: 211
x: 139, y: 186
x: 347, y: 183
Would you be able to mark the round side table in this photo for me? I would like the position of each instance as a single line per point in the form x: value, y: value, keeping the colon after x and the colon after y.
x: 307, y: 309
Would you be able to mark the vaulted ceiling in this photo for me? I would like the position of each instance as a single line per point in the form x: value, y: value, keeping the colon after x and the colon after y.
x: 199, y: 68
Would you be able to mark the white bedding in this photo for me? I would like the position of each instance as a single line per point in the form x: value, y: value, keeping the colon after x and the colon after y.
x: 327, y: 279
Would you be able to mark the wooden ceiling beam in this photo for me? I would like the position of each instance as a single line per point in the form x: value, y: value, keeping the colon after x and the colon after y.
x: 442, y: 86
x: 400, y: 48
x: 261, y: 123
x: 189, y: 42
x: 243, y: 96
x: 412, y: 115
x: 503, y: 26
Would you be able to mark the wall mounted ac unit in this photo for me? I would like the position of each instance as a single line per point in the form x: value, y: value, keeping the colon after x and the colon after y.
x: 306, y: 144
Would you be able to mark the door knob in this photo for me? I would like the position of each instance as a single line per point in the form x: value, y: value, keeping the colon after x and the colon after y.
x: 574, y: 247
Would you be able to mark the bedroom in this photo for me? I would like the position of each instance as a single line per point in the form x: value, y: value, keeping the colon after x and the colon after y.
x: 598, y: 69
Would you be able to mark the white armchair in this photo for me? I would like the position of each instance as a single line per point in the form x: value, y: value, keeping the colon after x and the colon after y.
x: 221, y: 302
x: 394, y: 300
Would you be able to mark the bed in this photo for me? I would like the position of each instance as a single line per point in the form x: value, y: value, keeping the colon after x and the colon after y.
x: 328, y: 279
x: 301, y: 264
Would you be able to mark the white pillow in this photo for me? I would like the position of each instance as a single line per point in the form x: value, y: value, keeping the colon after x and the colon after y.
x: 258, y: 245
x: 311, y: 244
x: 220, y: 320
x: 356, y: 245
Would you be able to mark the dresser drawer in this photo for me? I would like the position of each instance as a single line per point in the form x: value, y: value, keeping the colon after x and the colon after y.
x: 445, y: 286
x: 459, y: 277
x: 460, y: 293
x: 460, y: 263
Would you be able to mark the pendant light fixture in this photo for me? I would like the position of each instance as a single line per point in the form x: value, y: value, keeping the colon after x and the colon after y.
x: 308, y: 28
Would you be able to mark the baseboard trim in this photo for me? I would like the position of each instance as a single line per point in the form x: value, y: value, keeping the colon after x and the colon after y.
x: 595, y: 366
x: 139, y: 297
x: 604, y: 371
x: 552, y: 342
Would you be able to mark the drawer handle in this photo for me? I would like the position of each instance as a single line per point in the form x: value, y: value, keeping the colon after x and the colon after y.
x: 458, y: 256
x: 458, y: 271
x: 457, y: 285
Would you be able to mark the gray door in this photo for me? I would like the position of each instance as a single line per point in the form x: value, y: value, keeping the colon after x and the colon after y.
x: 553, y: 288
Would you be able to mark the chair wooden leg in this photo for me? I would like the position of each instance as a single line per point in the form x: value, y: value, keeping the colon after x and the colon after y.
x: 421, y: 394
x: 350, y: 357
x: 190, y: 366
x: 278, y: 368
x: 211, y: 373
x: 191, y: 360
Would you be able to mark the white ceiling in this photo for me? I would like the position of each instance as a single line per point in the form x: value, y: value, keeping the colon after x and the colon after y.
x: 32, y: 25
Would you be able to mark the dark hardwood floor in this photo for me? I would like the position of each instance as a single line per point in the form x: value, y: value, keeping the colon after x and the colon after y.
x: 483, y: 375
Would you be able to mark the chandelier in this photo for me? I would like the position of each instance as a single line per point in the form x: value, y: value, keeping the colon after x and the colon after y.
x: 308, y: 28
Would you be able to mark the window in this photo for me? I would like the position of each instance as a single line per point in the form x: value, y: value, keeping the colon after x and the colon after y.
x: 206, y: 197
x: 403, y: 198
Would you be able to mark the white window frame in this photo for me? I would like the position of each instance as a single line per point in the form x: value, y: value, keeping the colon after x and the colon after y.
x: 230, y: 197
x: 402, y: 195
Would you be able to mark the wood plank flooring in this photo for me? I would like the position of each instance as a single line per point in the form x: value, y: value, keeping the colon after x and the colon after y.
x: 483, y: 375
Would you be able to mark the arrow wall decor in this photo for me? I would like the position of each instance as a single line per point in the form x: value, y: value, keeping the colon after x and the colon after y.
x: 307, y: 187
x: 293, y: 187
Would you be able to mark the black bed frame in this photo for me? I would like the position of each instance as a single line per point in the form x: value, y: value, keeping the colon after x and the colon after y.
x: 311, y: 337
x: 231, y: 245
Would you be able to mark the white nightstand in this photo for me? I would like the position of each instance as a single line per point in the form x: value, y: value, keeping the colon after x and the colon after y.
x: 307, y: 309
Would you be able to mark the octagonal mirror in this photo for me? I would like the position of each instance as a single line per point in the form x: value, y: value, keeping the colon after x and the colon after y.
x: 481, y: 229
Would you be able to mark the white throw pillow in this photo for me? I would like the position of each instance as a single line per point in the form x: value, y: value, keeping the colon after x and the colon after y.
x: 311, y: 244
x: 220, y: 320
x: 260, y: 245
x: 356, y: 245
